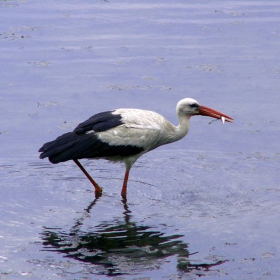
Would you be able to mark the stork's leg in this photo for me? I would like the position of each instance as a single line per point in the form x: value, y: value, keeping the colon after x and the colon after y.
x: 124, y: 188
x: 96, y: 186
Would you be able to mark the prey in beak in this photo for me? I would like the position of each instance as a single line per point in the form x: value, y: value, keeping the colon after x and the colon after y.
x: 205, y: 111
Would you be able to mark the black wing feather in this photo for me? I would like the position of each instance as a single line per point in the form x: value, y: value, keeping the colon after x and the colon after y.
x: 80, y: 144
x: 77, y: 146
x: 99, y: 122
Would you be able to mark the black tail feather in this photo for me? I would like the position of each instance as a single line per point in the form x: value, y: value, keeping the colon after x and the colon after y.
x: 69, y: 146
x: 77, y: 146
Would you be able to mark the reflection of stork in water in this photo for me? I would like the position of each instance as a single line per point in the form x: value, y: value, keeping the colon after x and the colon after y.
x: 119, y: 248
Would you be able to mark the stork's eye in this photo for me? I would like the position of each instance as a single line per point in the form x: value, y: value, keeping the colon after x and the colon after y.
x: 194, y: 105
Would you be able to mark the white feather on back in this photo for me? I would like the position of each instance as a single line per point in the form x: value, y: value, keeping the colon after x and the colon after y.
x: 141, y: 128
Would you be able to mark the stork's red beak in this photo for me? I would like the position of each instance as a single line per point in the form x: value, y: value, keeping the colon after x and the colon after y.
x: 205, y: 111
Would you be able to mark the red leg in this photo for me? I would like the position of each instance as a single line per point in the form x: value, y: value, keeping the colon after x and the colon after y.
x: 124, y: 188
x: 96, y: 186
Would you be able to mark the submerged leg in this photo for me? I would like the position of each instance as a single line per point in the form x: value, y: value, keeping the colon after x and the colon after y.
x: 124, y: 188
x: 96, y: 186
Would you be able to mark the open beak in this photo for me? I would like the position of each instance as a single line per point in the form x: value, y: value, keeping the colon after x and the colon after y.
x: 205, y: 111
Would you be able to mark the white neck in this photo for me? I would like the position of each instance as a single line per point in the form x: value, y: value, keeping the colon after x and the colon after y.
x: 175, y: 133
x: 183, y: 128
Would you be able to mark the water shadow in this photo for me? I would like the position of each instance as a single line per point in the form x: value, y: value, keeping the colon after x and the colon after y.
x: 120, y: 247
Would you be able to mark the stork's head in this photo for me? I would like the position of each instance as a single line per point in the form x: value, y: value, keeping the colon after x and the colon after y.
x: 189, y: 107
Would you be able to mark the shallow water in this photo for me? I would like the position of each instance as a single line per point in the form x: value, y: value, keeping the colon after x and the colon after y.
x: 205, y: 207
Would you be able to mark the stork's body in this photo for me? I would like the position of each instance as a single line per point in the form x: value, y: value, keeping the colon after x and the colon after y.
x: 123, y: 135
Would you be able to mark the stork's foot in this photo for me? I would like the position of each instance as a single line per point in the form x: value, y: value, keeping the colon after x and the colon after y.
x: 98, y: 194
x: 97, y: 188
x: 124, y: 188
x: 123, y: 194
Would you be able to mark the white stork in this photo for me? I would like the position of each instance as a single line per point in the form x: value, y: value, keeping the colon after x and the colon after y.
x: 123, y: 135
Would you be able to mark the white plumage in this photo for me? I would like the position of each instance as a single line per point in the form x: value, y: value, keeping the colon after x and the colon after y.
x: 124, y: 135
